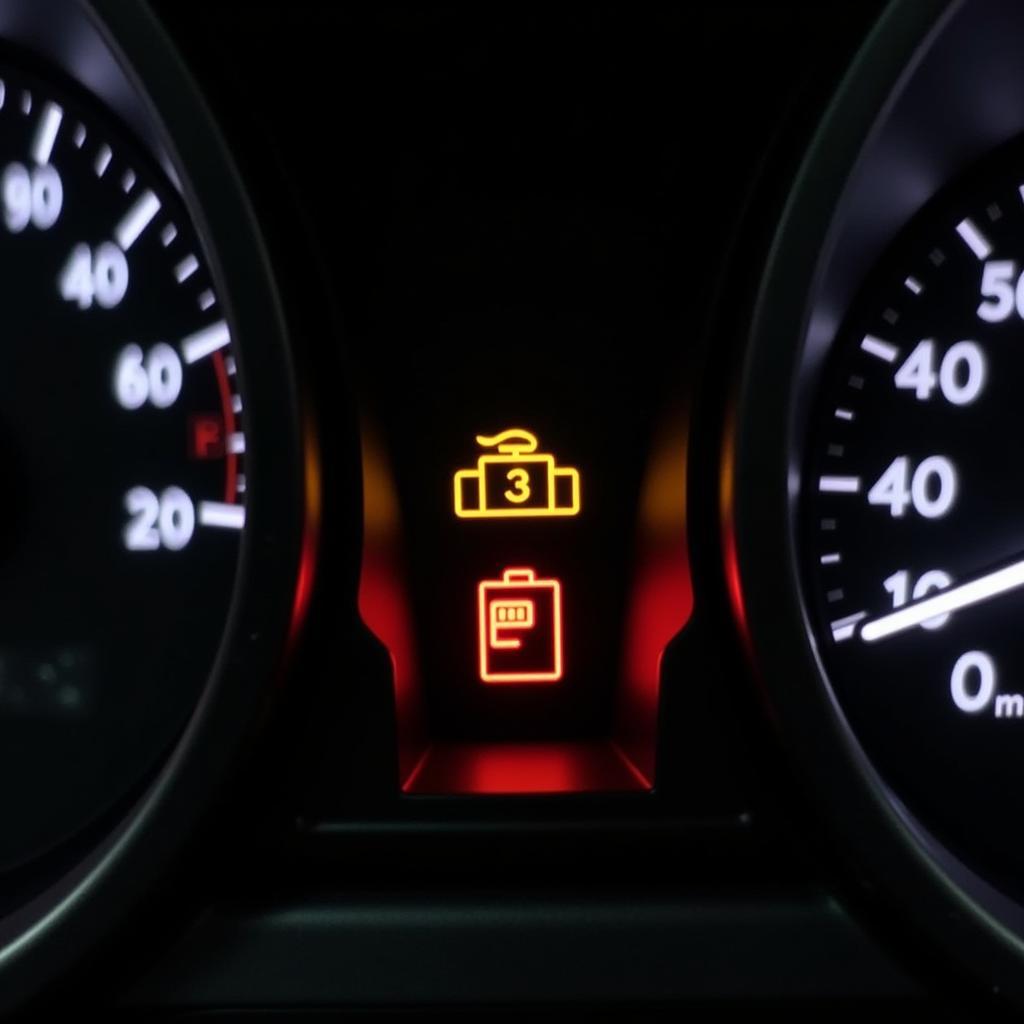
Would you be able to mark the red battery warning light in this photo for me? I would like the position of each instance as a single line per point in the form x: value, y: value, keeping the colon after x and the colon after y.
x: 520, y: 622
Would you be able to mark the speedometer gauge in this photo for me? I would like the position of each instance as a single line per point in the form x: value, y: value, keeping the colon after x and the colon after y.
x: 872, y: 492
x: 122, y: 425
x: 910, y: 533
x: 153, y: 520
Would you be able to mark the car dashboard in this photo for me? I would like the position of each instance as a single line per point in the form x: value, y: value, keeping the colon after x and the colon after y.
x: 506, y: 509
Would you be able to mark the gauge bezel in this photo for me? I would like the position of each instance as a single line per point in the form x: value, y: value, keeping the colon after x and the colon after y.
x: 133, y: 68
x: 886, y: 119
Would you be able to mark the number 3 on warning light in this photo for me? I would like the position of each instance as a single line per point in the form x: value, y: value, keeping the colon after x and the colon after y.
x: 521, y: 490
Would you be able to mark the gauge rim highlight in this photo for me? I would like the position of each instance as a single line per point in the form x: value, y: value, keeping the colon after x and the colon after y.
x: 794, y: 319
x: 125, y: 46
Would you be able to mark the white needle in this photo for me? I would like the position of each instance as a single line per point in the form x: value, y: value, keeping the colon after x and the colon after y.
x: 974, y: 591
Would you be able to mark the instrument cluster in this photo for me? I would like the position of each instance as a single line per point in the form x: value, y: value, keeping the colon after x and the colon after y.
x: 545, y: 479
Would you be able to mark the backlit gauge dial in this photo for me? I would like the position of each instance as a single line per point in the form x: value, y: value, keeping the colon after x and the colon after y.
x: 122, y: 425
x: 912, y: 517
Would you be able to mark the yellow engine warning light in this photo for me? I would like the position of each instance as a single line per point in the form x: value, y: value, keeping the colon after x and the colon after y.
x: 516, y: 481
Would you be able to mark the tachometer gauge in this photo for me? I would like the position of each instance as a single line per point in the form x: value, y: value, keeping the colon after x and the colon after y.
x: 151, y: 529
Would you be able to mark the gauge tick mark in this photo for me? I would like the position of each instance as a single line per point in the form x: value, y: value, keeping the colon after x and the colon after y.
x: 219, y: 513
x: 843, y: 629
x: 974, y: 239
x: 186, y: 268
x: 46, y: 133
x: 880, y: 349
x: 103, y: 158
x: 205, y: 342
x: 839, y: 484
x: 136, y: 220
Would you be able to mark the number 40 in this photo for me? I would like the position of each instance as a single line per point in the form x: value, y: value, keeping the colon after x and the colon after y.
x: 960, y: 376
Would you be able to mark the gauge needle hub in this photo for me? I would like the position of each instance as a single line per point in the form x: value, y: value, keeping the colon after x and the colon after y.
x: 992, y: 584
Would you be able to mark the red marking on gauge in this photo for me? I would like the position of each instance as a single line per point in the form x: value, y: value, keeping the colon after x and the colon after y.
x: 206, y: 436
x: 231, y: 458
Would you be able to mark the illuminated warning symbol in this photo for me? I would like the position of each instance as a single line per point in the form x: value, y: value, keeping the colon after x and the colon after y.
x: 206, y: 438
x: 520, y: 620
x: 516, y: 481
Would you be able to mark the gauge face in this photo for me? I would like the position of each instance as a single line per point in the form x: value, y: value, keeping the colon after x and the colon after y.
x: 912, y: 537
x: 123, y: 447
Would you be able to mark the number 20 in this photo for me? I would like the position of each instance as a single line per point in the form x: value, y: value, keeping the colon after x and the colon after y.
x: 159, y: 521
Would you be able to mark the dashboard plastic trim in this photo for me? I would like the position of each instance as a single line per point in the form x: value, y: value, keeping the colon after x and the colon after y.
x: 459, y: 948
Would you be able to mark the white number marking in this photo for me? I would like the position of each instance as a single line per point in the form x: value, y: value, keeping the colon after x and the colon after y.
x: 992, y: 584
x: 960, y: 377
x: 100, y: 276
x: 31, y: 197
x: 153, y: 377
x: 1002, y: 292
x: 973, y: 682
x: 898, y: 585
x: 166, y: 521
x: 898, y: 488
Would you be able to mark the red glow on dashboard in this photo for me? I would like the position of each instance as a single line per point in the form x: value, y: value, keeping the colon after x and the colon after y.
x: 732, y: 568
x: 661, y: 600
x: 384, y: 608
x: 311, y: 533
x: 383, y: 601
x: 662, y: 603
x: 491, y: 769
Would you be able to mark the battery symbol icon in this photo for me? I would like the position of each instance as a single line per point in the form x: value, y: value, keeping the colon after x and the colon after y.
x: 520, y: 620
